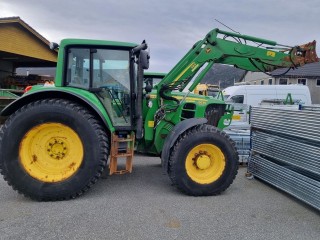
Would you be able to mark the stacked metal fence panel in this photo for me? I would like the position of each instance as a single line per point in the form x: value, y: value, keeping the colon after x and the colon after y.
x: 242, y: 141
x: 286, y: 151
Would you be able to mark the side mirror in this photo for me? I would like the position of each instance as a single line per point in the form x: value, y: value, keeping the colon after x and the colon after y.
x: 144, y: 59
x: 149, y: 85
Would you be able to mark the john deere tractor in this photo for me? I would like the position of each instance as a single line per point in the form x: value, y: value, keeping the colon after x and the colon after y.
x: 57, y: 139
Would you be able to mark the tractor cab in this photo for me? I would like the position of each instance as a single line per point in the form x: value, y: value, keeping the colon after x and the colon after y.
x: 106, y: 72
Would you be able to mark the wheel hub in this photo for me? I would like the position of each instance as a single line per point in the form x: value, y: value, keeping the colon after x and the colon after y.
x: 203, y: 161
x: 56, y: 148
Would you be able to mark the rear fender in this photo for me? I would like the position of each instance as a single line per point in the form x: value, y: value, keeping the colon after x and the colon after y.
x: 173, y: 136
x: 96, y: 108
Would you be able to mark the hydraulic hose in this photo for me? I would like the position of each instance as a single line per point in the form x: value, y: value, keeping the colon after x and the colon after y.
x: 162, y: 94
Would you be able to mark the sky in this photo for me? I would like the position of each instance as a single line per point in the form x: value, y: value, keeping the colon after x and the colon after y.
x: 169, y: 27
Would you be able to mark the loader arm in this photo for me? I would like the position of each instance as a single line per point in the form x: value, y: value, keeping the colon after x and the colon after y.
x: 266, y: 56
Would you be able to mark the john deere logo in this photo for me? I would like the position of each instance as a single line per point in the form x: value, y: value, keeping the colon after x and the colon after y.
x: 208, y: 50
x: 271, y: 54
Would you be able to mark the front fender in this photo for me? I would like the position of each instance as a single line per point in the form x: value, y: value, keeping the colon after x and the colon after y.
x: 85, y: 98
x: 173, y: 136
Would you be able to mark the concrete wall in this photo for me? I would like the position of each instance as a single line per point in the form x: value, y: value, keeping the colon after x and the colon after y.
x: 258, y: 78
x: 314, y: 90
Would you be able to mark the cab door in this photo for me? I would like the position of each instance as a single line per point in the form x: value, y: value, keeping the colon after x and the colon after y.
x: 111, y: 75
x: 107, y: 73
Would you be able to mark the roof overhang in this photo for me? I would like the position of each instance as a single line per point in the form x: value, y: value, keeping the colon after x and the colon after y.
x: 23, y: 46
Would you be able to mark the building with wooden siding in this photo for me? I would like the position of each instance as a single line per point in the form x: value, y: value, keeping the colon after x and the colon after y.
x: 22, y: 46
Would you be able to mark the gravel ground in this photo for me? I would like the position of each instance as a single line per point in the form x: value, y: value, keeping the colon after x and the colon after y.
x: 143, y: 205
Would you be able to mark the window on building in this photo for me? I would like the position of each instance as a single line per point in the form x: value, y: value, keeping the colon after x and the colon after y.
x: 302, y: 81
x: 262, y: 82
x: 318, y: 82
x: 283, y: 81
x: 270, y: 81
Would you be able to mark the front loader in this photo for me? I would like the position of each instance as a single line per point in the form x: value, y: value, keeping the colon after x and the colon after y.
x: 57, y: 140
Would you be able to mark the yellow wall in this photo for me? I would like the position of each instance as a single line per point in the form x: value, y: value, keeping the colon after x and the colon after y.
x: 16, y: 39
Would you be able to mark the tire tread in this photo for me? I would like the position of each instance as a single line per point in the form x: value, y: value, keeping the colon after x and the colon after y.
x: 203, y: 128
x: 95, y: 123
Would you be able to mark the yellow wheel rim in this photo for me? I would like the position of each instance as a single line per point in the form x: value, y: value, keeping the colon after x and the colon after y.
x: 51, y: 152
x: 205, y: 163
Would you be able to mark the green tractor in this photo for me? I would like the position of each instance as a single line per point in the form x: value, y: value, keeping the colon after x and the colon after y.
x: 153, y: 78
x: 216, y: 111
x: 57, y: 140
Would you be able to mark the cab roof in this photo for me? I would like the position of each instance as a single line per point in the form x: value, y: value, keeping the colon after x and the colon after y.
x: 72, y: 41
x: 154, y: 74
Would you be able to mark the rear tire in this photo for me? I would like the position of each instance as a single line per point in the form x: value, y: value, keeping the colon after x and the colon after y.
x: 203, y: 162
x: 52, y: 149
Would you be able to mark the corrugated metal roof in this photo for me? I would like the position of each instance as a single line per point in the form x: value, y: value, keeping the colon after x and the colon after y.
x: 308, y: 70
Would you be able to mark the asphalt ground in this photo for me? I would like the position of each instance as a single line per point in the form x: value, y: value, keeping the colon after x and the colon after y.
x: 144, y: 205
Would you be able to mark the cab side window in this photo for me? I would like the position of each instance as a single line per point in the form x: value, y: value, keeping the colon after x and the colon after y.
x: 78, y: 71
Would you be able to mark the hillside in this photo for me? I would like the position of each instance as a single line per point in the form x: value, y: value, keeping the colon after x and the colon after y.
x: 224, y: 73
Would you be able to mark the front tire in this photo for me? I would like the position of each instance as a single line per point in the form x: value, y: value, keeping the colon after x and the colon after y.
x: 203, y: 162
x: 52, y: 149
